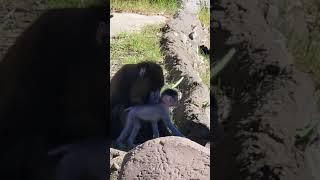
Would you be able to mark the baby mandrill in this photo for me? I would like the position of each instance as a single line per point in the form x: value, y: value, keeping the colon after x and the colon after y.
x: 150, y: 113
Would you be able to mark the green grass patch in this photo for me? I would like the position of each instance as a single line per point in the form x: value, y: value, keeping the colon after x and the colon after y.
x: 204, y: 14
x: 146, y: 6
x: 204, y: 17
x: 134, y: 47
x: 73, y: 3
x: 205, y: 76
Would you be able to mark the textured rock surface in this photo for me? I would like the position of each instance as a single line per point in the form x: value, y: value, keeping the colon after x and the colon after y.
x: 167, y: 158
x: 182, y: 38
x: 116, y: 158
x: 269, y: 99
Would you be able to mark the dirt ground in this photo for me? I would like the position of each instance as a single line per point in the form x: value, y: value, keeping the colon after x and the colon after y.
x: 127, y: 22
x: 15, y: 17
x: 266, y: 96
x: 130, y: 22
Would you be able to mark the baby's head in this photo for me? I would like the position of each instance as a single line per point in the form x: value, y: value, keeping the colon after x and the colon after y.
x: 169, y: 97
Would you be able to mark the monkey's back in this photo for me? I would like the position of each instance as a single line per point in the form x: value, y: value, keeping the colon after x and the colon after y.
x: 149, y: 112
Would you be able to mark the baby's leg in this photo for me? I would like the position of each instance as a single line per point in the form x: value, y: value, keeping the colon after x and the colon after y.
x: 126, y: 130
x: 134, y: 132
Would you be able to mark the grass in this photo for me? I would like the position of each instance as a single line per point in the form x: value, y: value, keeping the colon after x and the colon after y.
x: 205, y: 76
x: 72, y: 3
x: 204, y: 14
x: 146, y: 6
x: 204, y: 17
x: 134, y: 47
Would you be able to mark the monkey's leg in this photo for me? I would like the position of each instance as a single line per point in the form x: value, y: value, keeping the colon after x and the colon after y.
x: 134, y: 132
x: 125, y: 132
x: 155, y: 129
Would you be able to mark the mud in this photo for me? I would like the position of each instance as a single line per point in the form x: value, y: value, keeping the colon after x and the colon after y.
x: 268, y: 99
x: 182, y: 38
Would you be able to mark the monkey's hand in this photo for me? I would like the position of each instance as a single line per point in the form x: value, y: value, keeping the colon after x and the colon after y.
x: 175, y: 131
x: 180, y: 134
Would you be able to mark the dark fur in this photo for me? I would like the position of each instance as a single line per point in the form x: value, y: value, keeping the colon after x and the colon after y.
x: 127, y: 89
x: 84, y: 160
x: 53, y: 89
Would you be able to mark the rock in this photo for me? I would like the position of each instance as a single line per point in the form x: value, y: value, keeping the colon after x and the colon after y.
x: 115, y: 166
x: 204, y: 49
x: 271, y: 97
x: 117, y: 161
x: 182, y: 60
x: 273, y: 13
x: 184, y: 38
x: 313, y: 158
x: 115, y: 152
x: 208, y: 145
x: 167, y: 158
x: 116, y: 158
x: 192, y: 35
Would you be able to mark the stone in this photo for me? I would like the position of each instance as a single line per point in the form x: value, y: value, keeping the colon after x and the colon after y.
x: 167, y: 158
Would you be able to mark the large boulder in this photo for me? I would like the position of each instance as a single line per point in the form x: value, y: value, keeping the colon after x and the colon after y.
x: 167, y: 158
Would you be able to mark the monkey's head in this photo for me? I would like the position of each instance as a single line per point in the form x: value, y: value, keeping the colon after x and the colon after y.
x: 169, y: 97
x: 153, y: 73
x: 147, y: 83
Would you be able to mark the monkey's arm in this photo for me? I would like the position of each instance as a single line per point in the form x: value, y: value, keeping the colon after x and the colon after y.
x: 171, y: 126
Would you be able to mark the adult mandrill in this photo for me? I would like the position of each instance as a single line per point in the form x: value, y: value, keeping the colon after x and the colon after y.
x: 133, y: 84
